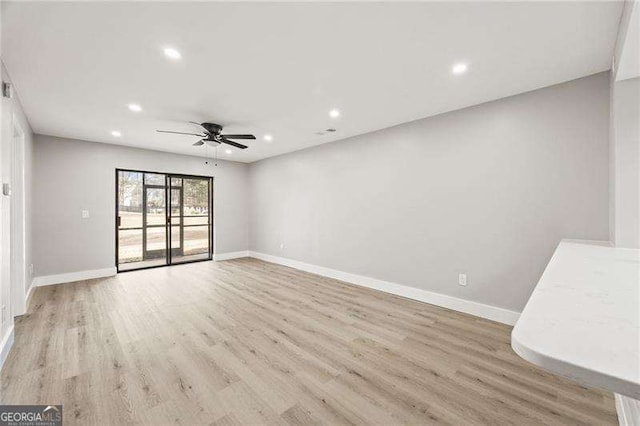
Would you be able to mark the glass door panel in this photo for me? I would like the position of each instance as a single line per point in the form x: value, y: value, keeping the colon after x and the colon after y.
x: 155, y: 179
x: 176, y: 220
x: 129, y: 220
x: 130, y: 244
x: 141, y: 220
x: 155, y: 223
x: 194, y: 229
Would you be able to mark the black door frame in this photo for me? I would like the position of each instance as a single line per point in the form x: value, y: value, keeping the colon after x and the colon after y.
x: 168, y: 224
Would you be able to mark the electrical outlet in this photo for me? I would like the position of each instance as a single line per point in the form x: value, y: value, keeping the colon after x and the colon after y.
x: 85, y: 214
x: 282, y: 246
x: 31, y: 269
x: 462, y: 279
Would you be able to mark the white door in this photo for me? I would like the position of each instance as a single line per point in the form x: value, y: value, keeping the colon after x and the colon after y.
x: 18, y: 225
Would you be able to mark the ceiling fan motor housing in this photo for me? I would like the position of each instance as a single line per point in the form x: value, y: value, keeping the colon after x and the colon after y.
x: 213, y: 128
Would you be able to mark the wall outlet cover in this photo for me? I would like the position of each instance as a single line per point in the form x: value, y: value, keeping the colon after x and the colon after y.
x: 462, y: 279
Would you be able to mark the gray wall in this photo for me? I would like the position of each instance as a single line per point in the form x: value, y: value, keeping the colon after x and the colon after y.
x: 487, y: 190
x: 626, y: 162
x: 72, y: 175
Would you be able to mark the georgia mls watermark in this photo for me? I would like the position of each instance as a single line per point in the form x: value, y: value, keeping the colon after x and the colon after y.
x: 30, y: 415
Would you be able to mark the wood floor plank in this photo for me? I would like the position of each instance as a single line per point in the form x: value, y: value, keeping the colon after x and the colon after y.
x: 249, y: 342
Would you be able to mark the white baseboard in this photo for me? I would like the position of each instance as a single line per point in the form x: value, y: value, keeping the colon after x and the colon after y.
x: 230, y: 255
x: 474, y: 308
x: 628, y: 410
x: 29, y: 294
x: 73, y: 276
x: 5, y: 346
x: 493, y: 313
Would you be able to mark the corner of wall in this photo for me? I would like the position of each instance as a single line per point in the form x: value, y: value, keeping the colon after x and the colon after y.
x: 612, y: 161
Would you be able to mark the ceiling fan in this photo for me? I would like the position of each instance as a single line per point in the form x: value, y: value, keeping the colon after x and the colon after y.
x: 212, y: 134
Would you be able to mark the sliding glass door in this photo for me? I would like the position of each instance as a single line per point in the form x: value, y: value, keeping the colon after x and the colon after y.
x: 162, y: 219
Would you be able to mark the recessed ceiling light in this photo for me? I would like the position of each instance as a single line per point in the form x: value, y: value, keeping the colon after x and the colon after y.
x: 135, y: 107
x: 459, y: 68
x: 268, y: 138
x: 228, y: 151
x: 334, y: 113
x: 172, y: 53
x: 116, y: 133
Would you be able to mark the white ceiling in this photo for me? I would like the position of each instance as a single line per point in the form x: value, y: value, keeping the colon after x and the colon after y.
x: 279, y: 68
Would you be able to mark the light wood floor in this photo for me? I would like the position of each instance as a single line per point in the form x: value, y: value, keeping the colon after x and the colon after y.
x: 248, y: 342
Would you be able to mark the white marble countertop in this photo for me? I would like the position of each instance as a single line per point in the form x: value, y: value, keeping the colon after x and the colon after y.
x: 582, y: 320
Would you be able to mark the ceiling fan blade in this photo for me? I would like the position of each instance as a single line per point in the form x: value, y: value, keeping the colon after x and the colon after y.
x: 180, y: 133
x: 206, y: 132
x: 237, y: 145
x: 199, y: 143
x: 239, y: 136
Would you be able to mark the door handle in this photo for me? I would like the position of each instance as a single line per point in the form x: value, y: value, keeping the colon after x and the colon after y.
x: 119, y: 220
